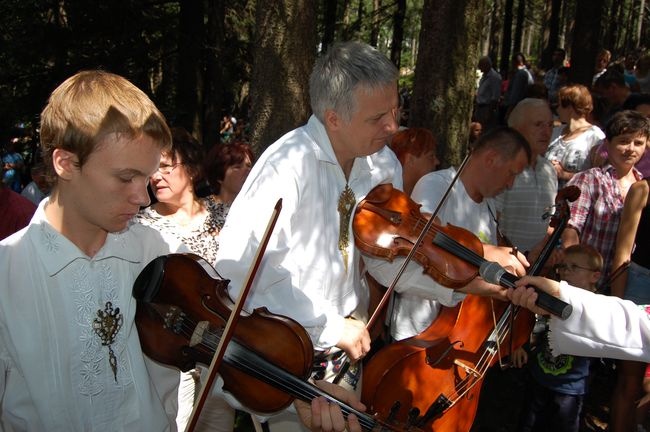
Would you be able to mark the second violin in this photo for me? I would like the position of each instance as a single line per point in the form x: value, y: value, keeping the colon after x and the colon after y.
x: 388, y: 223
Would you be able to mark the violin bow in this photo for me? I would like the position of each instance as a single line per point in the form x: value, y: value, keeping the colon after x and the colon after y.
x: 384, y: 299
x: 229, y: 329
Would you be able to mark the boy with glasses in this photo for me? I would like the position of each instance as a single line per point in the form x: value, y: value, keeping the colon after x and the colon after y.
x: 559, y: 383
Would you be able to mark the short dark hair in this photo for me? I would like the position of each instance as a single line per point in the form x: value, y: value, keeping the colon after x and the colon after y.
x: 506, y: 141
x: 223, y: 156
x: 627, y: 122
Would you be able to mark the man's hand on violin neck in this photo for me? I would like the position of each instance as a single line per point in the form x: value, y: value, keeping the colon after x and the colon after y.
x: 480, y: 287
x: 511, y: 259
x: 355, y: 340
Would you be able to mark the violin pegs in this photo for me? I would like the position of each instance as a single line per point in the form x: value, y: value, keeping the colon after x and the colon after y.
x: 414, y: 414
x: 392, y: 413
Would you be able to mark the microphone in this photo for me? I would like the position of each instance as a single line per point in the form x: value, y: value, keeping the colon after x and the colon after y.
x: 494, y: 273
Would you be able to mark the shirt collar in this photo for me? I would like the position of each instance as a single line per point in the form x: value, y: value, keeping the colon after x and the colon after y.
x: 325, y: 151
x: 609, y: 169
x: 56, y: 251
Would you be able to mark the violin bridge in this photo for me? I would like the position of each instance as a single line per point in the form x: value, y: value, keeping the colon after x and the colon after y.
x: 468, y: 369
x: 198, y: 333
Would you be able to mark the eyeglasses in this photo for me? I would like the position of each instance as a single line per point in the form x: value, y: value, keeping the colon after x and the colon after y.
x: 572, y: 267
x: 167, y: 169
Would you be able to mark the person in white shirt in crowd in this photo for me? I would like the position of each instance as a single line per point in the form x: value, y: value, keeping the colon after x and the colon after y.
x: 488, y: 95
x: 572, y: 141
x: 520, y: 208
x: 552, y: 79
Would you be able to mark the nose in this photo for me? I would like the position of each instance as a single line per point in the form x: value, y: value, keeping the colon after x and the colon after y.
x: 392, y: 122
x: 156, y: 176
x: 140, y: 195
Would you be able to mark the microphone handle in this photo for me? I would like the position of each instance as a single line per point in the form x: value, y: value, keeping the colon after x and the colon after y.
x: 546, y: 301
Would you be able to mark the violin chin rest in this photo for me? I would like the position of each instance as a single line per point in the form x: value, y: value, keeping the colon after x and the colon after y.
x: 147, y: 284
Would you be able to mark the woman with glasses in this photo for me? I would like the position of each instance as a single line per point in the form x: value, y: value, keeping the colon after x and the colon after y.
x: 572, y: 141
x: 196, y: 222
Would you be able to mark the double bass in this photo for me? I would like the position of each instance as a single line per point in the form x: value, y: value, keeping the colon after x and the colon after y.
x: 434, y: 379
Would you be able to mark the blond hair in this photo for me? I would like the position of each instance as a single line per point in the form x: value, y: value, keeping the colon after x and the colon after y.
x: 594, y: 258
x: 90, y: 105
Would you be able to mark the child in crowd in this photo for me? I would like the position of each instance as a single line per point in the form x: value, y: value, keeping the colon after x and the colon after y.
x: 559, y: 382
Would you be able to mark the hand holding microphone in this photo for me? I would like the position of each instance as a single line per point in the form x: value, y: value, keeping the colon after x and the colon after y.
x: 494, y: 273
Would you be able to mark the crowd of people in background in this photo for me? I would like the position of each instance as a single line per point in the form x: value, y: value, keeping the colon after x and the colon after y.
x: 594, y: 137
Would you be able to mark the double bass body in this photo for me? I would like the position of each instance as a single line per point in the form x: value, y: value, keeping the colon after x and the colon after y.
x: 437, y: 375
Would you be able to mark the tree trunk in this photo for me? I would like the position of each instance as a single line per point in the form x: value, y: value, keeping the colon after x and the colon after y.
x: 612, y: 30
x: 329, y: 23
x: 444, y: 87
x: 519, y: 26
x: 639, y: 25
x: 495, y: 31
x: 398, y: 33
x: 375, y: 26
x: 214, y: 82
x: 552, y: 39
x: 506, y: 42
x: 284, y: 55
x: 190, y: 77
x: 586, y: 36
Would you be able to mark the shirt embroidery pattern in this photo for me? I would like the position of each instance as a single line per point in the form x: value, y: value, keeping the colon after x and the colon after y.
x: 95, y: 357
x: 346, y: 203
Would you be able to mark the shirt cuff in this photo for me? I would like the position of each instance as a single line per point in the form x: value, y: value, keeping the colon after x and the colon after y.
x: 331, y: 333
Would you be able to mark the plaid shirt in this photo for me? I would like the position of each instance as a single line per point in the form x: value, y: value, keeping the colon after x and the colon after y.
x: 597, y: 212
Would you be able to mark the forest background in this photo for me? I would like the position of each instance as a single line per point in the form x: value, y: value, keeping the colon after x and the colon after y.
x: 202, y: 59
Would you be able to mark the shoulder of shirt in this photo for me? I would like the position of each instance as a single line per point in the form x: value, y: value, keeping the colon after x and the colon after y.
x: 150, y: 237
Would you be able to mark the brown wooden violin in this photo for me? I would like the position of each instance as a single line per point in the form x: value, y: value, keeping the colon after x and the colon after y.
x: 435, y: 377
x: 182, y: 307
x: 387, y: 223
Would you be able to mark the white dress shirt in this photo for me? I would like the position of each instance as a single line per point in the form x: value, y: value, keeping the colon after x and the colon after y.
x: 303, y: 274
x: 54, y: 371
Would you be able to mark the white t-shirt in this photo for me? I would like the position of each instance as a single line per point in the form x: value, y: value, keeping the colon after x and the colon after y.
x: 413, y: 313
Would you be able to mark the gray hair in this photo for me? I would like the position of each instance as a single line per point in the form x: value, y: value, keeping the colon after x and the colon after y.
x: 345, y: 67
x: 518, y: 115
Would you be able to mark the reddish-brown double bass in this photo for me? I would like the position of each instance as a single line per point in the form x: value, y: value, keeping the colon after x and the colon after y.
x: 433, y: 380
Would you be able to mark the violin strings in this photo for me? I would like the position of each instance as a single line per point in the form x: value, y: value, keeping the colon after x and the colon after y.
x: 450, y: 244
x: 284, y: 381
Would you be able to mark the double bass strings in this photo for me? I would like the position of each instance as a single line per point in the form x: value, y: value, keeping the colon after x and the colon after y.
x: 497, y: 336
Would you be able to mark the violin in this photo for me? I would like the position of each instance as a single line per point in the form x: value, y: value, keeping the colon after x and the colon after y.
x: 182, y: 306
x: 436, y: 376
x: 387, y: 223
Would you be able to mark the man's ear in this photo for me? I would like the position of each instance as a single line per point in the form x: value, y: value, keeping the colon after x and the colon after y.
x: 489, y: 158
x: 332, y: 120
x: 64, y: 163
x: 594, y: 277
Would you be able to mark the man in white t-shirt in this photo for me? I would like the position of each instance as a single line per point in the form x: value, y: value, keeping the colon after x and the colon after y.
x: 498, y: 157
